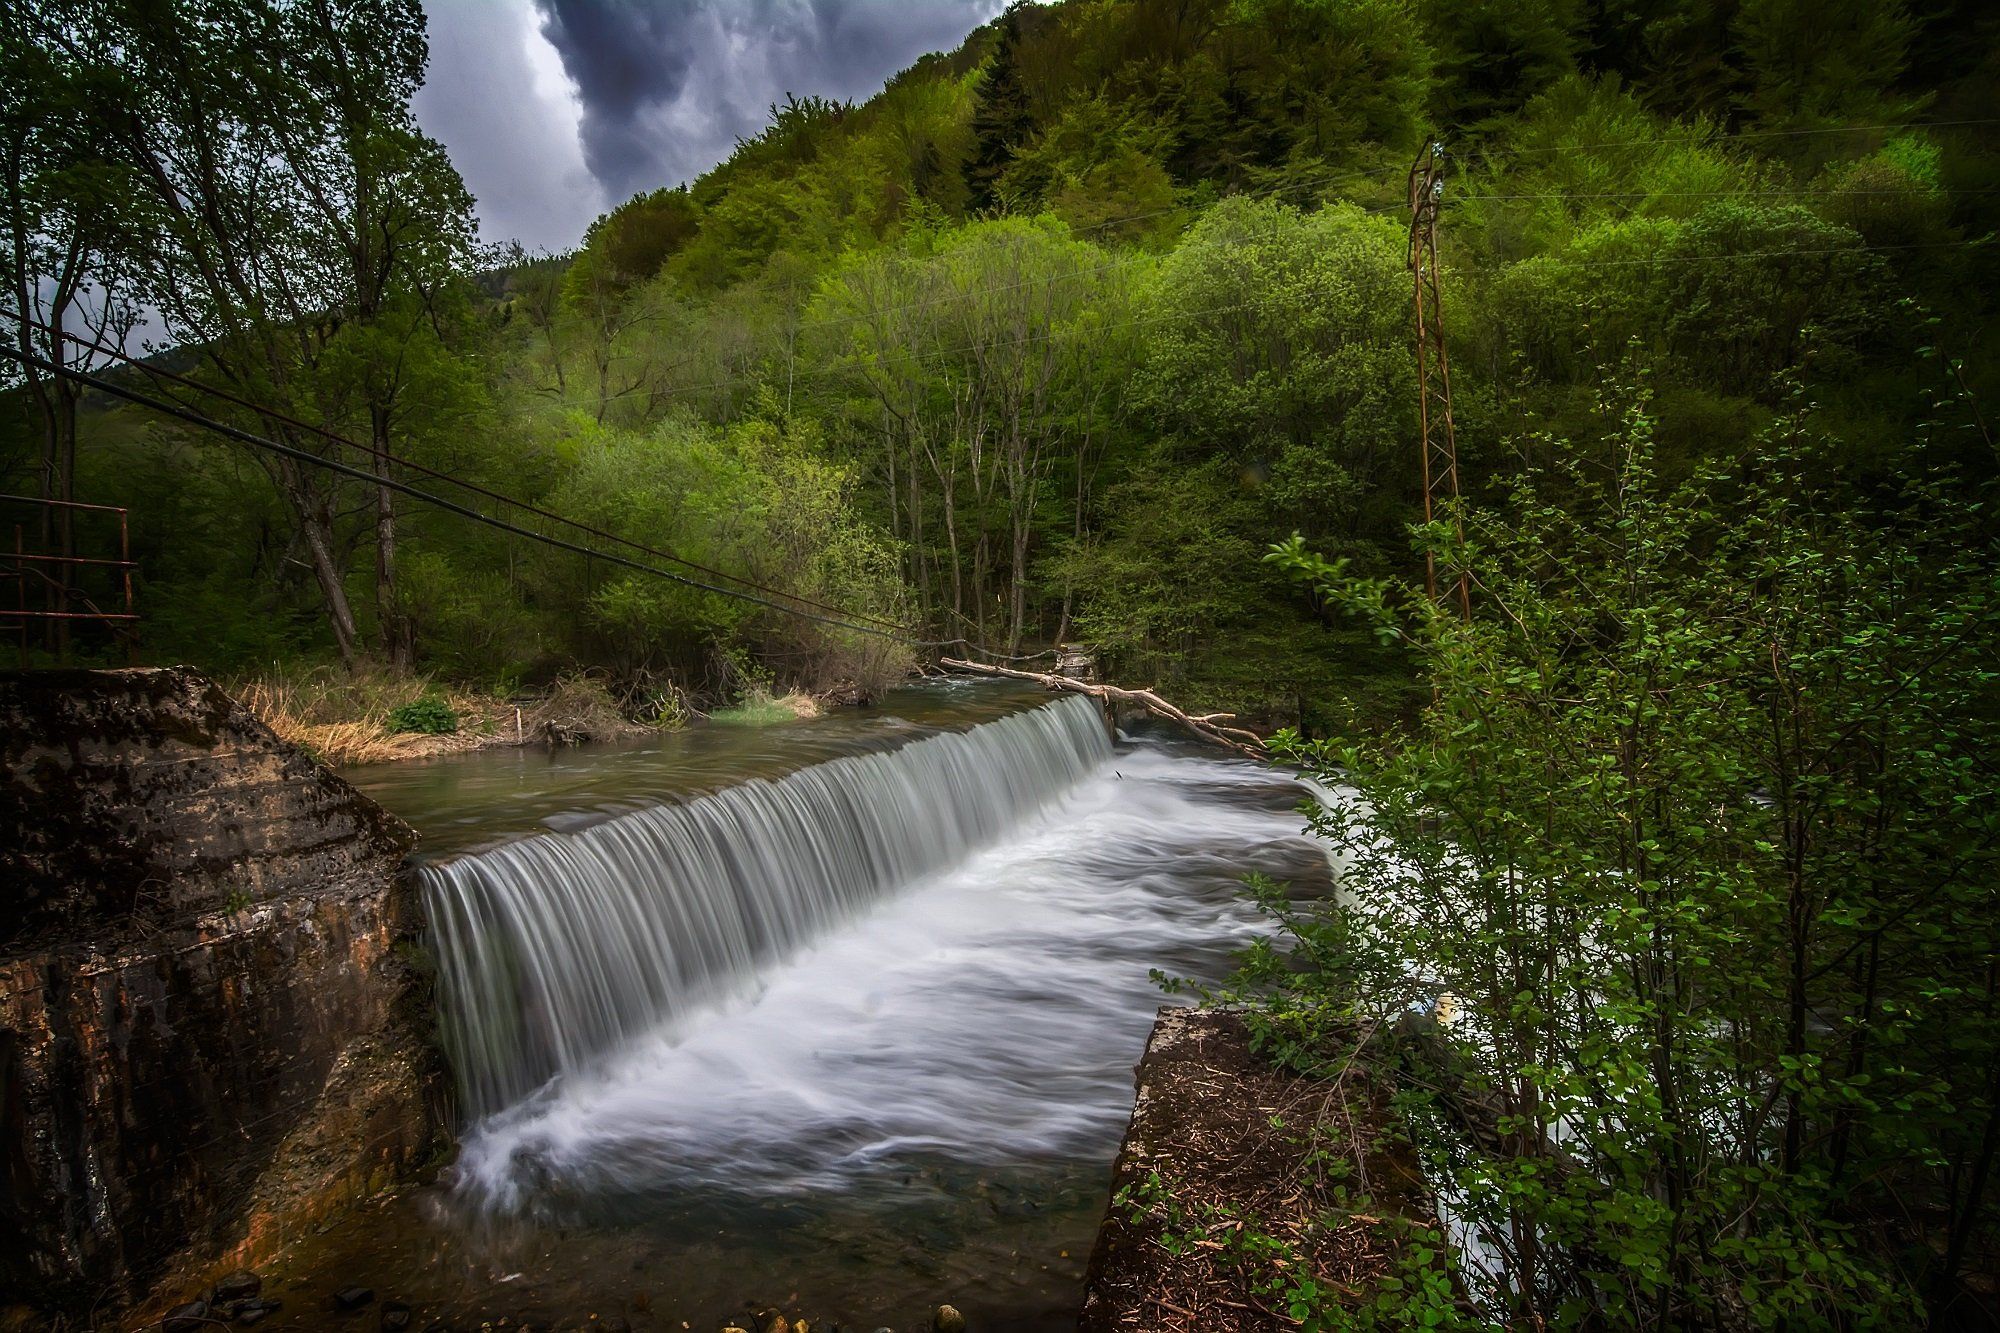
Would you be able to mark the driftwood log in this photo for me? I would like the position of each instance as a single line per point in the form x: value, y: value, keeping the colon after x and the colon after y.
x: 1209, y: 726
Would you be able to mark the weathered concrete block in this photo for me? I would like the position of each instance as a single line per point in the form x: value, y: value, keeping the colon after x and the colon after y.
x: 212, y: 1025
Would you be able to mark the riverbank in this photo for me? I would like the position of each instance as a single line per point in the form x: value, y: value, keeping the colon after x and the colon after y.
x: 1248, y: 1197
x: 344, y: 719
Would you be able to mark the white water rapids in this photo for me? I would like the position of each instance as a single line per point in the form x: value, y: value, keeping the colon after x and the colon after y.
x: 804, y: 986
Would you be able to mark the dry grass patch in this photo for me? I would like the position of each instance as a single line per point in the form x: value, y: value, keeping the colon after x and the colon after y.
x: 345, y: 718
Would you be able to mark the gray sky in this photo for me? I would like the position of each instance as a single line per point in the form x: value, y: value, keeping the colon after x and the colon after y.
x: 555, y: 110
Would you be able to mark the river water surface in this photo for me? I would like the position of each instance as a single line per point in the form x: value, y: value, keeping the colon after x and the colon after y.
x: 838, y: 1016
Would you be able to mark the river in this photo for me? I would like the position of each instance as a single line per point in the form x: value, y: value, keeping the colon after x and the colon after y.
x: 838, y: 1016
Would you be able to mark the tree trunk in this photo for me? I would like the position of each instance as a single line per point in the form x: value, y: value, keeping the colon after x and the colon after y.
x: 1020, y: 585
x: 396, y: 632
x: 314, y: 513
x: 1208, y: 726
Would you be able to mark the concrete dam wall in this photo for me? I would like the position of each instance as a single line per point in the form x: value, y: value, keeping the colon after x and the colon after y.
x: 213, y: 1020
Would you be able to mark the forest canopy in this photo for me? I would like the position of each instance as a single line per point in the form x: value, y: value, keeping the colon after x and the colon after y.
x: 1073, y: 321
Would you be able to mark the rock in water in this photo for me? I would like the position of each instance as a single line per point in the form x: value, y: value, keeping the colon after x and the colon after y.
x: 353, y: 1298
x: 395, y: 1316
x: 187, y: 1318
x: 947, y: 1319
x: 238, y: 1286
x: 254, y: 1312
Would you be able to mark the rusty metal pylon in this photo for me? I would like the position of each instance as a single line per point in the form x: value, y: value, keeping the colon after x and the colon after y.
x: 1437, y: 438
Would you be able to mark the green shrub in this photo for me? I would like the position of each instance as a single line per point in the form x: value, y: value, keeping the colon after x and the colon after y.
x: 429, y: 716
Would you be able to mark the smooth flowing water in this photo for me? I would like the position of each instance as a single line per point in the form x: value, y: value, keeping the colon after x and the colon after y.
x: 853, y: 1036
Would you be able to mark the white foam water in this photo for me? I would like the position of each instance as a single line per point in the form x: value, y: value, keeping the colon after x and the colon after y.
x: 557, y: 949
x: 956, y: 971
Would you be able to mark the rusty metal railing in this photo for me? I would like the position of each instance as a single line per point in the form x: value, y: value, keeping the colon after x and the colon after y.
x: 49, y: 572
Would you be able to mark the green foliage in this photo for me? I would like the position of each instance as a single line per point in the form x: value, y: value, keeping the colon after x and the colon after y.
x: 1001, y: 119
x: 1746, y: 292
x: 1494, y: 55
x: 1811, y: 61
x: 1283, y: 346
x: 1693, y: 831
x: 636, y: 239
x: 827, y: 368
x: 429, y: 715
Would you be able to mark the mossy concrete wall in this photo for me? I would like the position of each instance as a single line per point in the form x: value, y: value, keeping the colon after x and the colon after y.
x: 213, y: 1017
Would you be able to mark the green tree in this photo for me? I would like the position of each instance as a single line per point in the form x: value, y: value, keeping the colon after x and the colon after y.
x: 1814, y: 62
x: 636, y: 239
x: 1279, y: 339
x: 1001, y: 119
x: 65, y: 281
x: 1494, y: 55
x: 1694, y: 832
x: 271, y: 202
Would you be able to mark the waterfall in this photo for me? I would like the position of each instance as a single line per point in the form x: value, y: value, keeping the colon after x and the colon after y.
x: 557, y: 948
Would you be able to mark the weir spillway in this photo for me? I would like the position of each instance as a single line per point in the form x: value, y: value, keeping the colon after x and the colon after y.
x: 558, y: 949
x: 847, y: 1007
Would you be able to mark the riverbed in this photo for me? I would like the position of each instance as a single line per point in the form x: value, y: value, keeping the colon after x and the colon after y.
x: 902, y: 1090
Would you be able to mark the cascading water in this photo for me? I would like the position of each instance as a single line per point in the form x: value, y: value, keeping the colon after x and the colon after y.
x: 557, y: 949
x: 862, y: 1033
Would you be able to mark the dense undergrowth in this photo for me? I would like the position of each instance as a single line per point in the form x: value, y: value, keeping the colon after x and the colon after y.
x: 1694, y: 848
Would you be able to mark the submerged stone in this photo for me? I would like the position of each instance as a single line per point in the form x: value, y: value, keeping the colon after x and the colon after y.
x: 238, y: 1286
x: 186, y: 1318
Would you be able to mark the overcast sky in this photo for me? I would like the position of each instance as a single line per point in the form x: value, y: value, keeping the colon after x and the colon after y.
x: 555, y: 110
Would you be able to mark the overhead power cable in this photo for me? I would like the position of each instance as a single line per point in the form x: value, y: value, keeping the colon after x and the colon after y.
x: 475, y: 488
x: 241, y: 436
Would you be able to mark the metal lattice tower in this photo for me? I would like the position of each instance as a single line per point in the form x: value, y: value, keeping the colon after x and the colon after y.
x: 1438, y: 443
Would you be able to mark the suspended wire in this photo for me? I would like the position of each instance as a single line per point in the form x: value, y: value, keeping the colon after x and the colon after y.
x: 1966, y: 244
x: 1795, y: 192
x: 174, y: 409
x: 434, y: 473
x: 840, y: 617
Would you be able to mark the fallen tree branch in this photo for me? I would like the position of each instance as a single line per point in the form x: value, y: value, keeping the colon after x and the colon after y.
x: 1246, y: 743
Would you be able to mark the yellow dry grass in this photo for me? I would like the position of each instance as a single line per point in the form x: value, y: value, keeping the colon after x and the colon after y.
x: 343, y: 718
x: 800, y: 705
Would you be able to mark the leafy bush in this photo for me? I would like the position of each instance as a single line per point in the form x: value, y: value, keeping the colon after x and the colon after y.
x: 1694, y: 831
x: 428, y: 716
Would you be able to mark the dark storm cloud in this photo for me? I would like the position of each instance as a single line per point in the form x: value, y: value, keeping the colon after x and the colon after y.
x: 668, y: 86
x: 498, y: 98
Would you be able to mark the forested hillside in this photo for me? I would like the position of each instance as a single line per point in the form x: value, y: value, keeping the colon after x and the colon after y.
x: 1050, y: 339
